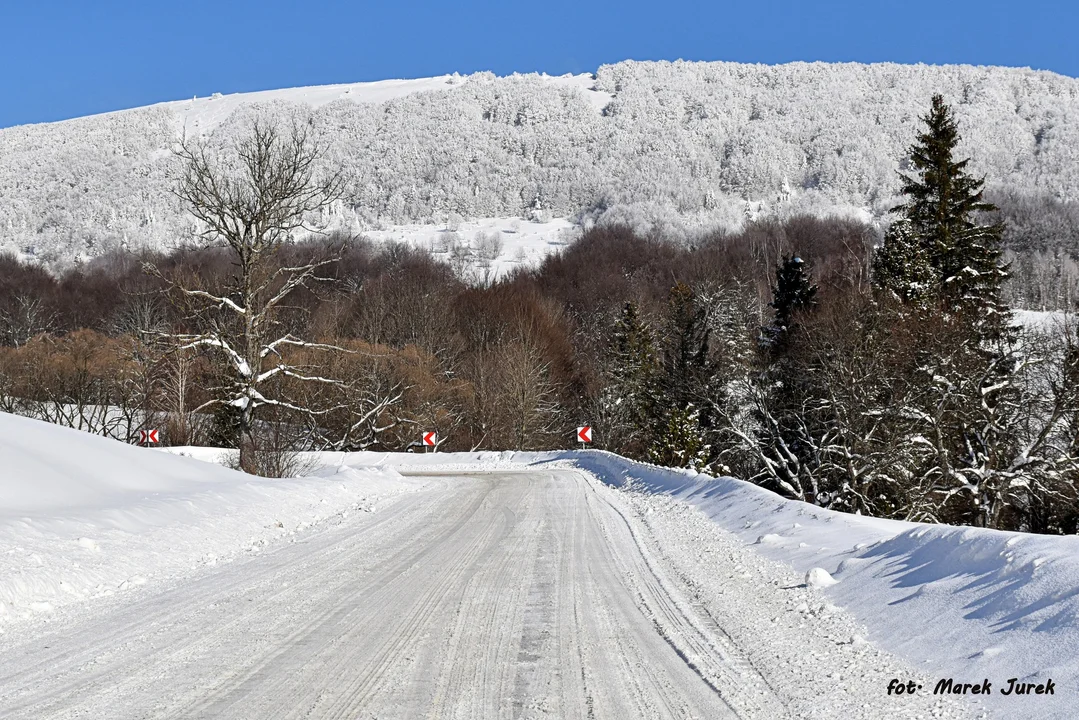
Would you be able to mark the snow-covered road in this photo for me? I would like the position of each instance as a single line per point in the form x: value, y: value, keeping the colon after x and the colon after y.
x: 539, y: 593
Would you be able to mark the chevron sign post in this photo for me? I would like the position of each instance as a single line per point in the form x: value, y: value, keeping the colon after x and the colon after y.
x: 429, y: 440
x: 148, y: 437
x: 584, y: 435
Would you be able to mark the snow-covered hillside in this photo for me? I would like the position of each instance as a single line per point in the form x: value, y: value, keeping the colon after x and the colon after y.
x: 690, y: 144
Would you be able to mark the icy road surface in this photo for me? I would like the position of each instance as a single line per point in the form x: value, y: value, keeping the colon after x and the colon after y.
x: 490, y: 595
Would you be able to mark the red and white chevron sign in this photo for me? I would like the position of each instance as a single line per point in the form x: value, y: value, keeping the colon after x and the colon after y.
x: 429, y: 439
x: 584, y: 434
x: 147, y: 437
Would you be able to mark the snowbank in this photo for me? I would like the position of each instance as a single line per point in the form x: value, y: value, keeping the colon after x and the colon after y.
x: 84, y: 517
x: 965, y: 603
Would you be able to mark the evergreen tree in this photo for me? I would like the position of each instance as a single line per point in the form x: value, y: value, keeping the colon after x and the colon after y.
x: 689, y: 388
x: 628, y: 400
x: 792, y: 292
x: 686, y: 346
x: 940, y: 252
x: 226, y: 426
x: 902, y: 266
x: 635, y: 351
x: 940, y: 258
x: 667, y: 391
x: 680, y: 442
x: 783, y: 391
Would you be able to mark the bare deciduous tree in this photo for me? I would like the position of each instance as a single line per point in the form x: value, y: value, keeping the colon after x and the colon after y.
x: 252, y: 201
x: 28, y: 317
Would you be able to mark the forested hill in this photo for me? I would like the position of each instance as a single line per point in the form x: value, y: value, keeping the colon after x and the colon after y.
x: 693, y: 144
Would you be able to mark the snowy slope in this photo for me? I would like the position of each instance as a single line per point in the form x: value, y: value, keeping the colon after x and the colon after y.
x: 680, y: 146
x: 963, y: 603
x: 203, y: 115
x: 520, y: 243
x: 83, y: 517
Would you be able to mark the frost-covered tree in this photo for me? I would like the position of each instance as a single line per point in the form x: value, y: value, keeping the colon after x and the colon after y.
x: 671, y: 146
x: 28, y: 316
x: 944, y: 259
x: 528, y: 397
x: 902, y: 266
x: 629, y: 397
x: 680, y: 442
x: 249, y: 200
x: 782, y: 394
x: 701, y: 351
x: 941, y: 227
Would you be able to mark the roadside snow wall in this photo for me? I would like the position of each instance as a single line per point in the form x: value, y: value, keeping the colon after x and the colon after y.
x: 959, y: 602
x: 84, y: 517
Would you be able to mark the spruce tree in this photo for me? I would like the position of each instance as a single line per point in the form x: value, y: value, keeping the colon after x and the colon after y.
x: 680, y: 442
x: 792, y: 292
x: 226, y: 426
x: 686, y: 346
x: 783, y: 391
x: 634, y: 349
x: 690, y: 385
x: 628, y: 401
x: 940, y: 253
x: 943, y: 259
x: 903, y: 268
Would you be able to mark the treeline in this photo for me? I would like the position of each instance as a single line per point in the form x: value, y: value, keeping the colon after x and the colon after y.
x: 656, y: 344
x: 516, y: 364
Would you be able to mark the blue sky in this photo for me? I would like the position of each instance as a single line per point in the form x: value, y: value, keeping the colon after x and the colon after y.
x: 66, y: 59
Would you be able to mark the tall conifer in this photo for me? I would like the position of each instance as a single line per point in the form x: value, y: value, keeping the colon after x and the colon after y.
x: 792, y: 292
x: 939, y: 252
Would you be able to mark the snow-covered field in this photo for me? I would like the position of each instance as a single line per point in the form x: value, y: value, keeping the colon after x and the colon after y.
x: 1047, y: 321
x: 490, y: 584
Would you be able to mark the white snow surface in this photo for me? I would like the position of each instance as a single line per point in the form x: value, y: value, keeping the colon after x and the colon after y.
x: 505, y: 587
x: 90, y: 526
x: 199, y: 115
x: 965, y: 603
x: 83, y: 517
x: 1051, y: 321
x: 518, y: 242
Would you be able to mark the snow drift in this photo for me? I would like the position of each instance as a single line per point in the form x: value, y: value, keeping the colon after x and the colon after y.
x: 957, y: 602
x: 84, y: 517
